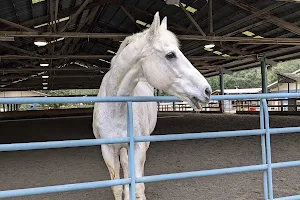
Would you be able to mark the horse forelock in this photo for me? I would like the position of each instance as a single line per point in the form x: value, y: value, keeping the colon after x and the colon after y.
x: 125, y: 43
x: 169, y: 37
x: 164, y: 36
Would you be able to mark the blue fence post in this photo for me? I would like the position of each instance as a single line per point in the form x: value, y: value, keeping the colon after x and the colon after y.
x: 131, y: 150
x: 268, y: 144
x: 263, y: 150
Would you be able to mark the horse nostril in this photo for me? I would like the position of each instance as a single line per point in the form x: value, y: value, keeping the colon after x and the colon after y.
x: 208, y: 92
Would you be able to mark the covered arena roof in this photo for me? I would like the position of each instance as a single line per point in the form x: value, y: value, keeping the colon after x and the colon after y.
x: 81, y: 43
x: 289, y: 77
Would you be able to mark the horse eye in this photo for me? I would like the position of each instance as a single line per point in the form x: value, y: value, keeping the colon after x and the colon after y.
x: 171, y: 55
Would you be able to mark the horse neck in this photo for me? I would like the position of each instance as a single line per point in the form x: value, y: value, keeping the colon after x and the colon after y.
x: 125, y: 72
x: 122, y: 81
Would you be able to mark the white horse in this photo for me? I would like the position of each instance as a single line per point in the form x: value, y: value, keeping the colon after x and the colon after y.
x: 144, y: 60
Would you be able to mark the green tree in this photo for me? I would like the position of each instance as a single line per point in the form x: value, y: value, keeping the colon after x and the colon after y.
x: 251, y: 78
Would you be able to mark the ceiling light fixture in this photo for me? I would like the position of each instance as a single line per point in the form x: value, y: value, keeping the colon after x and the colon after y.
x: 44, y: 64
x: 40, y: 42
x: 209, y: 46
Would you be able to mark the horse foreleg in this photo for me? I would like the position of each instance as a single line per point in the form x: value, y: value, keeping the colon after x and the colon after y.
x: 124, y: 163
x: 140, y: 158
x: 111, y: 158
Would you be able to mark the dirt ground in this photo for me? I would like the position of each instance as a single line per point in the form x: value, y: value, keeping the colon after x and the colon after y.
x: 72, y: 165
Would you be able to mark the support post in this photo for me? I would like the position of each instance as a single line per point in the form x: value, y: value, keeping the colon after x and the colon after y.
x: 210, y: 17
x: 264, y: 107
x: 263, y: 74
x: 221, y: 80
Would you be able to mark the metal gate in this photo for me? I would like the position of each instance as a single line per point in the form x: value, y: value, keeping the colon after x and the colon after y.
x: 265, y: 132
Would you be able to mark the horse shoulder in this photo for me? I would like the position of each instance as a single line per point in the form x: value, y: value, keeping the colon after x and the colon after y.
x: 145, y: 112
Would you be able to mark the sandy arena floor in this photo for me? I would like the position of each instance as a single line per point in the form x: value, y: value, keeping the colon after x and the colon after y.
x: 71, y: 165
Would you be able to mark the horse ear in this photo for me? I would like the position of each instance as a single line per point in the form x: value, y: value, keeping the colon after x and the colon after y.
x: 155, y: 24
x: 164, y: 23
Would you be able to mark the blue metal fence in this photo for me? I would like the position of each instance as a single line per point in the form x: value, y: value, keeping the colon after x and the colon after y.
x: 265, y: 132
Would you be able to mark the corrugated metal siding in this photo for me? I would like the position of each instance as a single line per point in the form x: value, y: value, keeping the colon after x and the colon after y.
x: 23, y: 9
x: 39, y: 9
x: 7, y: 10
x: 66, y: 4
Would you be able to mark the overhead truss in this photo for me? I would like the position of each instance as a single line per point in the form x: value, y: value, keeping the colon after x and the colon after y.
x: 76, y: 39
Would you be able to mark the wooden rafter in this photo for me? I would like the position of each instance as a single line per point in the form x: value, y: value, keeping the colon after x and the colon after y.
x: 15, y: 25
x: 192, y: 20
x: 63, y: 13
x: 267, y: 17
x: 249, y: 17
x: 96, y: 57
x: 197, y: 16
x: 56, y: 15
x: 75, y: 15
x: 6, y: 45
x: 210, y: 17
x: 131, y: 17
x: 241, y: 40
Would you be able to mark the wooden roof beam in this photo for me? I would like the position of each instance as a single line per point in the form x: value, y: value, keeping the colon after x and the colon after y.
x: 64, y: 13
x: 56, y: 14
x: 15, y: 25
x: 54, y: 87
x: 69, y: 40
x: 96, y: 57
x: 131, y: 17
x: 267, y: 17
x: 211, y: 31
x: 56, y: 76
x: 290, y: 1
x: 192, y: 20
x: 6, y: 45
x: 253, y: 15
x: 197, y: 16
x: 75, y: 15
x: 233, y: 49
x: 41, y: 69
x: 120, y: 36
x: 210, y: 17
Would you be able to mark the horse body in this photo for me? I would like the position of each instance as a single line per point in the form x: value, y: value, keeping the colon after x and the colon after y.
x: 110, y: 121
x: 144, y: 60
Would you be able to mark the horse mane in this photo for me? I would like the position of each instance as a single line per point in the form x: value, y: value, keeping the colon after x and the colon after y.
x: 126, y: 42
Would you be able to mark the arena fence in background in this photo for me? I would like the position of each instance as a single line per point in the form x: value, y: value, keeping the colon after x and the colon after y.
x: 265, y: 132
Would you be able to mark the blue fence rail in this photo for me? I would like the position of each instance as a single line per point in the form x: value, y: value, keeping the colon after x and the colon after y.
x: 265, y: 132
